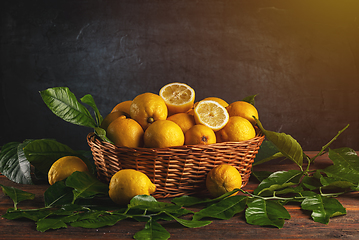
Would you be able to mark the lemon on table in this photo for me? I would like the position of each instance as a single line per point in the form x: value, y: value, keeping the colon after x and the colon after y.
x: 127, y: 183
x: 222, y: 179
x: 199, y: 134
x: 211, y: 114
x: 243, y: 109
x: 179, y: 97
x: 162, y: 134
x: 64, y: 167
x: 237, y: 129
x: 123, y: 107
x: 147, y: 108
x: 125, y: 132
x: 184, y: 120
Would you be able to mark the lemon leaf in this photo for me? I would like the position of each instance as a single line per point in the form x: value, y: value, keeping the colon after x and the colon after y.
x: 152, y: 230
x: 266, y: 213
x: 285, y: 143
x: 224, y: 209
x: 323, y: 208
x: 346, y: 165
x: 16, y: 194
x: 88, y: 99
x: 63, y: 103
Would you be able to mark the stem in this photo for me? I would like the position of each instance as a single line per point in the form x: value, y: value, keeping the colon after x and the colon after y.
x: 270, y: 198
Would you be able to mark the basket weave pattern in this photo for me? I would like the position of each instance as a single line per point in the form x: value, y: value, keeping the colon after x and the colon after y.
x: 175, y: 171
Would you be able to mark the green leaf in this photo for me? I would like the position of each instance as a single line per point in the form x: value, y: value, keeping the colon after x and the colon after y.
x: 98, y: 221
x: 346, y: 165
x: 58, y: 194
x: 190, y: 223
x: 312, y: 183
x: 323, y: 208
x: 250, y: 99
x: 16, y: 194
x: 152, y: 230
x: 88, y: 99
x: 13, y: 163
x: 63, y: 103
x: 267, y: 151
x: 187, y: 201
x: 286, y: 144
x: 86, y: 186
x: 55, y: 222
x: 32, y: 214
x: 266, y: 213
x: 277, y: 181
x: 261, y: 175
x: 42, y: 153
x: 334, y: 183
x: 224, y: 209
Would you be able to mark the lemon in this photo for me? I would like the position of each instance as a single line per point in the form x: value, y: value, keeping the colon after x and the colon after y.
x: 200, y: 134
x: 162, y: 134
x: 243, y: 109
x: 64, y: 167
x: 147, y: 108
x: 184, y: 120
x: 123, y: 107
x: 110, y: 118
x: 237, y: 129
x: 219, y: 100
x: 179, y: 97
x: 127, y: 183
x: 211, y: 114
x: 125, y: 132
x: 222, y: 179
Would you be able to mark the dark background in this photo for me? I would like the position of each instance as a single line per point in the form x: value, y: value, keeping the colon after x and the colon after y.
x: 300, y: 57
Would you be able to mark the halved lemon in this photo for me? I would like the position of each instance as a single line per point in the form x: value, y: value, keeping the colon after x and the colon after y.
x: 212, y: 114
x: 179, y: 97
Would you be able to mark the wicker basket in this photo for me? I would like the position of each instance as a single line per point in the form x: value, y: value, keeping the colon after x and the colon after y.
x: 178, y: 170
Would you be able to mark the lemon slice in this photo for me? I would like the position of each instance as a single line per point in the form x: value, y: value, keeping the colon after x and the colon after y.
x: 212, y: 114
x: 179, y: 97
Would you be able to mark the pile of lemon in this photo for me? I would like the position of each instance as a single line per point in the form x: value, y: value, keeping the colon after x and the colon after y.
x: 173, y: 118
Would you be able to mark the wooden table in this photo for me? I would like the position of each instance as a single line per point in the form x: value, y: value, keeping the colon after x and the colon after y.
x: 300, y: 226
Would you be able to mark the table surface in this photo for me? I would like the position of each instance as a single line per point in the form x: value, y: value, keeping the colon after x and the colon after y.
x: 300, y: 226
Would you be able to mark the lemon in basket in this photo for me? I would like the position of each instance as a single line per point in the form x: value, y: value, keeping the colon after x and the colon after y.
x: 127, y: 183
x: 64, y: 167
x: 211, y: 114
x: 163, y: 134
x: 222, y: 179
x: 243, y: 109
x: 125, y: 132
x: 147, y: 108
x: 237, y: 129
x: 199, y: 134
x: 179, y: 97
x: 123, y: 107
x: 110, y: 118
x: 184, y: 120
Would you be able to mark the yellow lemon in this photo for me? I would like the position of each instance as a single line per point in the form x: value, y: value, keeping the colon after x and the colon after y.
x: 199, y: 134
x: 125, y: 132
x: 184, y: 120
x: 243, y: 109
x: 147, y: 108
x: 110, y: 118
x: 222, y: 179
x: 217, y: 99
x: 237, y: 129
x: 127, y: 183
x: 211, y: 113
x: 179, y: 97
x: 64, y: 167
x: 123, y: 107
x: 162, y: 134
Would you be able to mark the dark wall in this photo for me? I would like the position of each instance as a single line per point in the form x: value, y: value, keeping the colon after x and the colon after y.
x: 300, y: 57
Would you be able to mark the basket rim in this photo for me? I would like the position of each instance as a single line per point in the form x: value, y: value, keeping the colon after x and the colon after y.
x: 93, y: 137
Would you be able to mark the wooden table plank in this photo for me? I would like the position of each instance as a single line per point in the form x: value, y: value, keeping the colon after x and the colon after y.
x: 300, y: 226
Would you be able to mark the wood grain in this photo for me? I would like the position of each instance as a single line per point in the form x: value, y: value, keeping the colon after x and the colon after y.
x: 300, y: 226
